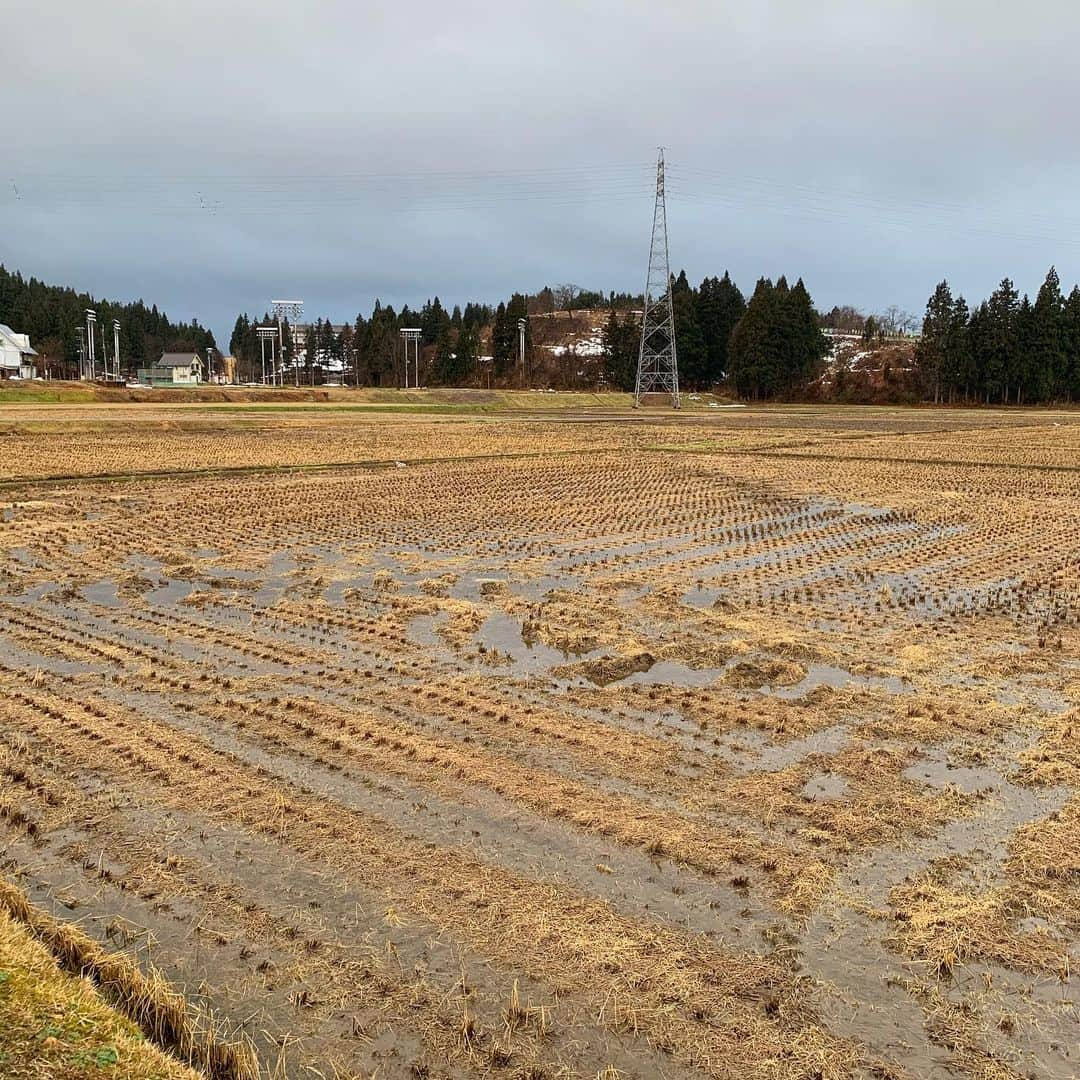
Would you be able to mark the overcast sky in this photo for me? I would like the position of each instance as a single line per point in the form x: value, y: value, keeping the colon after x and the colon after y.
x: 210, y: 156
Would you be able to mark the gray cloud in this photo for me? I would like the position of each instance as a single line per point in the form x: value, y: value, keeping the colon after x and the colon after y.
x: 207, y: 156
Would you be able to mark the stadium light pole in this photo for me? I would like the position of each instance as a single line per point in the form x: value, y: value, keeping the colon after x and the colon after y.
x: 290, y: 310
x: 266, y: 333
x: 91, y: 320
x: 116, y: 346
x: 412, y: 334
x: 522, y: 323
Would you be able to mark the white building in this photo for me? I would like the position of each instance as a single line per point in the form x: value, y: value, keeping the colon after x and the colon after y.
x: 16, y: 356
x: 174, y: 369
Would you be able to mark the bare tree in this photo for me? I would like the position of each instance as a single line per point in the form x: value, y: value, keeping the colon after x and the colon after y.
x: 895, y: 320
x: 565, y: 295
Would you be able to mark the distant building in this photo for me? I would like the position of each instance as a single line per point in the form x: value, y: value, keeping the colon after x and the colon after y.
x: 16, y: 356
x: 174, y: 369
x: 300, y: 334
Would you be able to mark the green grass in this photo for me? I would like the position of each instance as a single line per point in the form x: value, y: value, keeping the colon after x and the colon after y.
x: 331, y: 406
x: 37, y: 394
x: 55, y: 1026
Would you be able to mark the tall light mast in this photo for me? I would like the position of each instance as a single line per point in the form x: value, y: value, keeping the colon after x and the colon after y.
x: 289, y: 310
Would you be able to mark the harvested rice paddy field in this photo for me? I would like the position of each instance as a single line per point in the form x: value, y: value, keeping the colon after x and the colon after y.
x: 739, y: 743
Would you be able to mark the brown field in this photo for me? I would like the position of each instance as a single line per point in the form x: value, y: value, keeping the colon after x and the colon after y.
x: 582, y: 744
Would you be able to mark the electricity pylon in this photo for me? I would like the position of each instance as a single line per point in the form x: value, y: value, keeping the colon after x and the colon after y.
x: 658, y: 368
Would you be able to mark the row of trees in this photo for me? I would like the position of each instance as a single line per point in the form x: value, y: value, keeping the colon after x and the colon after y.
x: 52, y: 315
x: 369, y: 352
x: 769, y: 347
x: 1007, y: 350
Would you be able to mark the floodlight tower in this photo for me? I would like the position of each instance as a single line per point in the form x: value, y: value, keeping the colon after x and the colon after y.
x: 522, y: 324
x: 116, y: 346
x: 91, y: 320
x: 81, y: 333
x: 266, y: 333
x: 658, y: 368
x: 290, y: 311
x: 413, y: 335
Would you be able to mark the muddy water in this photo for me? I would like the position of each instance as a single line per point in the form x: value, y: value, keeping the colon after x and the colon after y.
x: 503, y: 832
x: 863, y: 982
x: 860, y: 980
x: 256, y: 981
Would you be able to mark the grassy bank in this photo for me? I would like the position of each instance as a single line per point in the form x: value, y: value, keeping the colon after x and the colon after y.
x: 362, y: 399
x: 55, y: 1025
x: 69, y: 1008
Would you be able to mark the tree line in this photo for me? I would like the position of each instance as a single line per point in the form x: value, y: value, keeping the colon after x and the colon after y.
x: 52, y: 315
x: 1007, y: 350
x: 368, y: 351
x: 767, y: 347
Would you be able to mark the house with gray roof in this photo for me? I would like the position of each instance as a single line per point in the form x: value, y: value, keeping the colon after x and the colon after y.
x: 174, y: 369
x: 16, y: 356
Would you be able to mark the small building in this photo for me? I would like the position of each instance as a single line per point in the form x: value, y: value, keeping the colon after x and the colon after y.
x: 16, y: 356
x: 174, y: 369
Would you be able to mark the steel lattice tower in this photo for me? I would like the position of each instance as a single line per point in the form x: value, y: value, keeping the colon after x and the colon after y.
x: 658, y: 367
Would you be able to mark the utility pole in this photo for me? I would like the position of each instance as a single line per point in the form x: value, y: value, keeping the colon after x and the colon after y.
x: 209, y: 362
x: 522, y: 323
x: 81, y: 332
x: 658, y: 367
x: 116, y: 346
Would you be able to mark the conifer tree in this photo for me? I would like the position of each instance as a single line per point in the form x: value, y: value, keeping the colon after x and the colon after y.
x: 693, y: 356
x: 621, y: 341
x: 931, y: 356
x: 1045, y: 353
x: 1072, y: 346
x: 720, y: 306
x: 502, y: 341
x: 1000, y: 359
x: 959, y: 368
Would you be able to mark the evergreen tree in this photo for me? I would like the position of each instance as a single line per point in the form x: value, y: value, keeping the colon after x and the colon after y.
x: 720, y: 307
x: 1072, y: 345
x: 809, y: 344
x: 777, y: 345
x: 1000, y: 361
x: 468, y: 349
x: 1045, y: 355
x: 444, y: 370
x: 1023, y: 376
x: 932, y: 352
x: 959, y: 374
x: 381, y: 352
x: 748, y: 362
x: 361, y: 373
x: 621, y: 342
x: 692, y: 353
x: 433, y: 321
x: 502, y: 341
